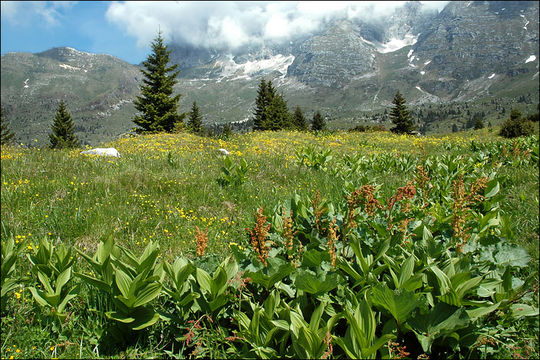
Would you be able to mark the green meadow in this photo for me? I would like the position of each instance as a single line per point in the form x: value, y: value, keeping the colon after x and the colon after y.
x: 300, y: 245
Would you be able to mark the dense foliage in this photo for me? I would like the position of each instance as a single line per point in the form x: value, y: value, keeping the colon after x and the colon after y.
x: 400, y: 116
x: 157, y: 106
x: 343, y: 259
x: 194, y: 123
x: 516, y: 126
x: 63, y: 129
x: 7, y: 136
x: 318, y: 123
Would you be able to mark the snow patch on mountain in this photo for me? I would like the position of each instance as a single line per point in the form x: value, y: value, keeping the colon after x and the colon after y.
x: 69, y: 67
x: 526, y: 21
x: 530, y: 58
x: 229, y: 68
x: 396, y: 44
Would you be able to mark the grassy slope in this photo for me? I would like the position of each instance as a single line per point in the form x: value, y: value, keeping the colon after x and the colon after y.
x: 164, y: 186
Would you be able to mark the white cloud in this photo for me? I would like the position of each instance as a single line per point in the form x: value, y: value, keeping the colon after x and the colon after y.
x: 231, y: 25
x: 29, y: 12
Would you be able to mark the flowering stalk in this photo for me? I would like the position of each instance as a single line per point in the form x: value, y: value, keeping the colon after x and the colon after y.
x: 201, y: 238
x: 259, y: 235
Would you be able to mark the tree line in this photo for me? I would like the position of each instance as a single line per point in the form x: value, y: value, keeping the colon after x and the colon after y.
x: 158, y: 109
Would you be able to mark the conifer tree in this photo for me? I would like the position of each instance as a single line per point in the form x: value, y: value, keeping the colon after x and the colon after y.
x: 271, y: 111
x: 400, y: 116
x: 261, y: 102
x: 318, y: 122
x: 6, y: 135
x: 63, y: 133
x: 277, y: 113
x: 158, y: 108
x: 299, y: 120
x: 195, y: 119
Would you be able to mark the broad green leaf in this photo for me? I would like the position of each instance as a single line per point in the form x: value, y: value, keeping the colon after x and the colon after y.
x: 219, y: 282
x: 444, y: 282
x: 314, y: 285
x: 204, y: 280
x: 316, y: 316
x: 72, y: 293
x: 146, y: 295
x: 123, y: 282
x: 123, y: 318
x: 523, y: 310
x: 44, y: 279
x: 62, y: 279
x: 481, y: 311
x: 441, y: 319
x: 400, y: 303
x: 144, y: 317
x: 492, y: 188
x: 95, y: 282
x: 406, y: 270
x: 37, y: 294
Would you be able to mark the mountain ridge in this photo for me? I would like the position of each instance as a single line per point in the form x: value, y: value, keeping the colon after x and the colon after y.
x: 471, y: 53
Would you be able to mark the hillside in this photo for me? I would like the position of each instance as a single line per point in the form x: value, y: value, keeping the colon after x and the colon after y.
x: 472, y: 57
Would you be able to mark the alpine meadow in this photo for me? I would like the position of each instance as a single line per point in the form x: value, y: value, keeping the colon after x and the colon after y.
x: 282, y: 202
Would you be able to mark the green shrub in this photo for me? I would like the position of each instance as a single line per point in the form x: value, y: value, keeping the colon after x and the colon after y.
x: 516, y: 126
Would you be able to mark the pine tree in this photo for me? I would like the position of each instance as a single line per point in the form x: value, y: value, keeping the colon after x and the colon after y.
x: 195, y: 119
x: 277, y: 113
x: 158, y: 108
x: 400, y: 116
x: 261, y: 103
x: 478, y: 124
x: 318, y: 123
x: 6, y: 135
x: 299, y: 120
x: 63, y: 134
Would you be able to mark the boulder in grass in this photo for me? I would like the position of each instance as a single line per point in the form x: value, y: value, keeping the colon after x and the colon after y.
x: 102, y: 152
x: 223, y: 151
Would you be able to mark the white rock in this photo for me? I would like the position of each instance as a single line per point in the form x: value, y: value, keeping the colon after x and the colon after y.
x: 102, y: 152
x: 223, y: 151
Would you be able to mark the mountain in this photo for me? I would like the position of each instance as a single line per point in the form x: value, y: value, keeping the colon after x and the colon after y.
x: 473, y: 57
x: 98, y: 91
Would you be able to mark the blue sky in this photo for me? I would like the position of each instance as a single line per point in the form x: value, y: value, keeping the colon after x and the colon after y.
x: 38, y: 26
x: 126, y: 29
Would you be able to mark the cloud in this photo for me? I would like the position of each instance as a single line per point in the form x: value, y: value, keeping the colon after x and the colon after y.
x: 47, y: 13
x: 233, y: 25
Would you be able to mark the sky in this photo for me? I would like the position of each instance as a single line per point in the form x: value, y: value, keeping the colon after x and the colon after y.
x: 126, y: 29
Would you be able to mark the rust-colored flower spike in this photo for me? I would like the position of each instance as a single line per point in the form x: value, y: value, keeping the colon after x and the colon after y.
x: 462, y: 203
x: 332, y: 238
x: 368, y: 199
x: 421, y: 180
x: 259, y: 235
x: 408, y: 192
x: 317, y: 211
x: 201, y: 238
x: 288, y: 233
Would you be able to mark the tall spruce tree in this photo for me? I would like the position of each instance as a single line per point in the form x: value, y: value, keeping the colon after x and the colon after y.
x: 63, y: 130
x: 261, y: 103
x: 277, y: 113
x: 158, y: 108
x: 299, y: 120
x: 400, y: 116
x: 318, y: 122
x: 195, y: 119
x: 6, y: 135
x: 271, y: 112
